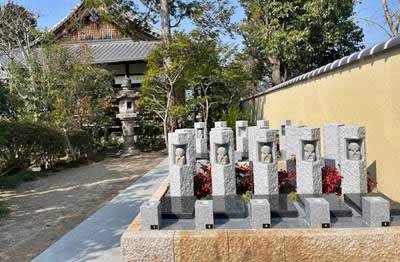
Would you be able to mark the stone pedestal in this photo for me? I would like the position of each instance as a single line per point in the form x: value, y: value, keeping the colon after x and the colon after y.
x: 242, y: 140
x: 150, y: 213
x: 263, y: 153
x: 204, y: 216
x: 308, y: 161
x: 317, y: 212
x: 201, y: 140
x: 260, y: 213
x: 283, y: 124
x: 376, y: 211
x: 222, y: 162
x: 353, y: 162
x: 182, y: 161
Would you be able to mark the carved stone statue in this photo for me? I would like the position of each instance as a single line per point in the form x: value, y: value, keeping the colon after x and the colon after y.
x: 180, y: 159
x: 222, y: 157
x: 200, y: 133
x: 266, y: 154
x: 354, y: 151
x: 309, y: 153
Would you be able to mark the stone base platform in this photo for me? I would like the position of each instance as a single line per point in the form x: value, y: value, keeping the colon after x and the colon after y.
x: 277, y: 244
x: 337, y: 206
x: 355, y: 200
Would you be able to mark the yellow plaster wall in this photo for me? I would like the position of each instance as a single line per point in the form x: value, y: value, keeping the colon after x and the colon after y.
x: 366, y: 93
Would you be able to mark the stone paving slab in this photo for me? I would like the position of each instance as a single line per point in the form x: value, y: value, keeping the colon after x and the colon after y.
x: 98, y: 237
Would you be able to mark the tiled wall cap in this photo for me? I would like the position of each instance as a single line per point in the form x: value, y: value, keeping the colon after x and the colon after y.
x: 367, y: 52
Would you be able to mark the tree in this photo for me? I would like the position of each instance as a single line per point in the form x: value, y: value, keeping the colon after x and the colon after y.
x: 392, y: 16
x: 18, y: 29
x: 291, y: 37
x: 197, y: 63
x: 211, y: 15
x: 61, y: 88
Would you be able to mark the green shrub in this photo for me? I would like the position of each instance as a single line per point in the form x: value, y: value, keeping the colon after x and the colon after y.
x: 150, y: 136
x: 10, y: 182
x: 24, y: 143
x: 82, y: 143
x: 14, y: 180
x: 4, y: 210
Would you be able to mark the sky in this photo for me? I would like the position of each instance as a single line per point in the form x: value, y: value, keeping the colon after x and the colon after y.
x: 52, y: 11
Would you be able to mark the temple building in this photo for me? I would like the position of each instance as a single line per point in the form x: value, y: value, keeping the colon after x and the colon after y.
x: 111, y: 46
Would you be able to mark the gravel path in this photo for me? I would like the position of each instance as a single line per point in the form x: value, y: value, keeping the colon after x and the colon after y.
x: 46, y: 209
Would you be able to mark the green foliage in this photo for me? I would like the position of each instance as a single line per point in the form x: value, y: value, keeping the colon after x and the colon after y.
x: 198, y: 62
x: 149, y: 132
x: 290, y: 37
x: 4, y: 210
x: 234, y: 113
x: 212, y: 16
x: 7, y: 102
x: 293, y: 196
x: 24, y: 143
x: 248, y: 196
x: 14, y: 180
x: 17, y: 26
x: 61, y: 88
x: 81, y: 141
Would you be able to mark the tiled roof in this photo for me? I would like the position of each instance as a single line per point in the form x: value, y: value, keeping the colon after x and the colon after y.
x: 103, y: 52
x: 353, y: 58
x: 121, y: 50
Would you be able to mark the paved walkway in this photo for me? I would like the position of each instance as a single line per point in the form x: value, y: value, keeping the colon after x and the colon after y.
x: 98, y: 237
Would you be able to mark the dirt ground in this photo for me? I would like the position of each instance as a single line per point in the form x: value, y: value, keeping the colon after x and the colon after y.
x: 43, y: 211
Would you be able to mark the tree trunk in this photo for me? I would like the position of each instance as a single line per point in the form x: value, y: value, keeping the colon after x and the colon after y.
x: 165, y: 21
x: 279, y: 71
x: 71, y: 149
x: 392, y: 18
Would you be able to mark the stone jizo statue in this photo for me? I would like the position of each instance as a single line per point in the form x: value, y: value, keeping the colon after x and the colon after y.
x: 354, y: 151
x: 309, y: 153
x: 180, y: 159
x: 266, y: 154
x: 222, y: 157
x: 200, y: 133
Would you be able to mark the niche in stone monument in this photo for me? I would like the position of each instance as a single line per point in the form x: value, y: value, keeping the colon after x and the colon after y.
x: 180, y: 155
x: 200, y: 133
x: 309, y: 151
x: 265, y: 153
x: 283, y: 130
x: 222, y: 154
x: 354, y: 149
x: 242, y: 131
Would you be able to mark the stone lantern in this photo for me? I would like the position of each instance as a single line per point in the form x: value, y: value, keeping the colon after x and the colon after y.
x: 127, y: 97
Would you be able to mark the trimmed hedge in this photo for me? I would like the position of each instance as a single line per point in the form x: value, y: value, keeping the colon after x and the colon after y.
x: 24, y: 143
